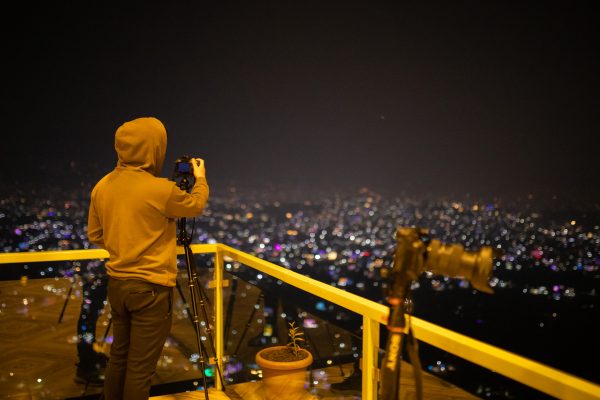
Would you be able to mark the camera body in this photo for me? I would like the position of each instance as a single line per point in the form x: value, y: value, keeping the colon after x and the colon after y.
x: 183, y: 167
x: 183, y: 172
x: 416, y: 253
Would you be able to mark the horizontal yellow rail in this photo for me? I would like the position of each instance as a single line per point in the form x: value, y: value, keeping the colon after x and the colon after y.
x: 88, y: 254
x: 541, y: 377
x: 521, y: 369
x: 58, y: 255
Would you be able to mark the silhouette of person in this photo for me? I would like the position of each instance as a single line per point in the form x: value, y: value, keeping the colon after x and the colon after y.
x: 132, y: 215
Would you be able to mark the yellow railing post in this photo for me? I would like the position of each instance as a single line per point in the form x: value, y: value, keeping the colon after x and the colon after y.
x: 219, y: 327
x: 370, y: 350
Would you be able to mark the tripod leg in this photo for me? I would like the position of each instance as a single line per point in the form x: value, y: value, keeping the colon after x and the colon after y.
x: 202, y: 297
x: 200, y: 346
x: 185, y: 303
x: 62, y: 313
x: 202, y: 300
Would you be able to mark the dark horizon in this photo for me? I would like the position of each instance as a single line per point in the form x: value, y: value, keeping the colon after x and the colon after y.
x: 495, y: 99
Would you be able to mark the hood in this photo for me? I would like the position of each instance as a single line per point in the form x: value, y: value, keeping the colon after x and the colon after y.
x: 142, y: 143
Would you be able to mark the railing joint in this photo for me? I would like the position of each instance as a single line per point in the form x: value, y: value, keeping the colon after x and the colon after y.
x: 212, y: 284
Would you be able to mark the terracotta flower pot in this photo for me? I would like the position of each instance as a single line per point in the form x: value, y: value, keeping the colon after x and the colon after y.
x: 284, y: 379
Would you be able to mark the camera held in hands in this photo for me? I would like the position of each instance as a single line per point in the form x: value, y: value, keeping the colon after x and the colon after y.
x: 183, y: 171
x: 184, y: 167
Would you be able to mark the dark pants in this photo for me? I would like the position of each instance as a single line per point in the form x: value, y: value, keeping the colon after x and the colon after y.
x: 141, y: 320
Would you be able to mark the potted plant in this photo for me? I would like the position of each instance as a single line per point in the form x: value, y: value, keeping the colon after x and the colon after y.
x: 284, y: 368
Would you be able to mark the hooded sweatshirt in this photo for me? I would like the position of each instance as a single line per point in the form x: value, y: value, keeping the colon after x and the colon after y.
x: 132, y: 211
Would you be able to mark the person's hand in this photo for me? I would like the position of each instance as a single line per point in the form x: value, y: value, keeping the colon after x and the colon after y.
x: 199, y: 170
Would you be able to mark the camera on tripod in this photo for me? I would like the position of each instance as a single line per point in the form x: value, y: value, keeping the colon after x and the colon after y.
x: 416, y: 253
x: 184, y: 167
x: 183, y: 172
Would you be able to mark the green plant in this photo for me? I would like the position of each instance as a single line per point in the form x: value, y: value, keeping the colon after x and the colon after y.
x: 290, y: 352
x: 295, y: 334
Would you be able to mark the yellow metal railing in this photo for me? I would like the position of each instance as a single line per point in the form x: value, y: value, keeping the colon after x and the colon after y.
x: 538, y: 376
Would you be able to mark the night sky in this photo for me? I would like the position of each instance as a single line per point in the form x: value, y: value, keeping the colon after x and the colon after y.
x: 494, y: 98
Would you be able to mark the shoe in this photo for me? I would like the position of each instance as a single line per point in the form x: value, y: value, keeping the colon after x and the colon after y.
x: 89, y: 377
x: 350, y: 385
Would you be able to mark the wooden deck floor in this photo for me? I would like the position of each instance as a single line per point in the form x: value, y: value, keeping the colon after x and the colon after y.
x: 433, y: 389
x: 38, y: 354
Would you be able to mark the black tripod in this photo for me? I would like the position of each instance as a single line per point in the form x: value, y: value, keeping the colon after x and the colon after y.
x: 197, y: 296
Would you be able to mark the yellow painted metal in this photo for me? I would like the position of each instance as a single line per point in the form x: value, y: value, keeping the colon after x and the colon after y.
x: 340, y: 297
x: 539, y: 376
x: 58, y: 255
x: 201, y: 248
x: 87, y: 254
x: 370, y: 375
x: 219, y: 311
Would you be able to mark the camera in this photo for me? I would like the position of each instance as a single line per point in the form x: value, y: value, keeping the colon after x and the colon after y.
x: 183, y: 172
x: 183, y: 165
x: 416, y: 252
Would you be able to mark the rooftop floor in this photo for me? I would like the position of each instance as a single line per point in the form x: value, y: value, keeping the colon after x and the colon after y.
x: 38, y: 354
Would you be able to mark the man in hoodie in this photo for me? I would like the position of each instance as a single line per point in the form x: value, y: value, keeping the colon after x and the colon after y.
x: 133, y: 216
